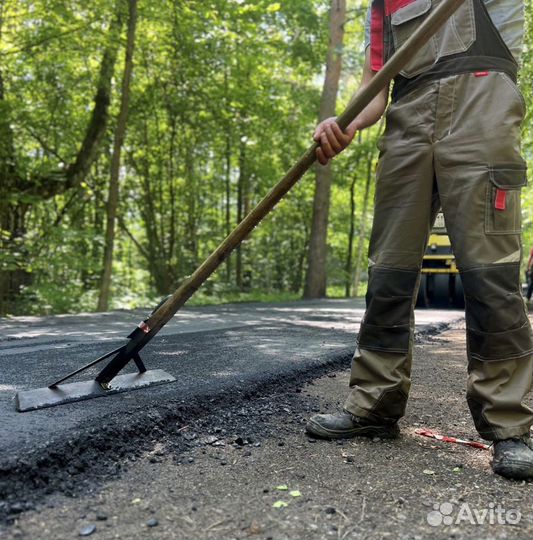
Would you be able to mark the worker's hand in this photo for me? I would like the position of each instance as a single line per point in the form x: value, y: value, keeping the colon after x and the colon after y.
x: 332, y: 139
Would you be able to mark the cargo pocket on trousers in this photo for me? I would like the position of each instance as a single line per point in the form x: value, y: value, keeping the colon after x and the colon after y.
x: 502, y: 212
x: 456, y: 36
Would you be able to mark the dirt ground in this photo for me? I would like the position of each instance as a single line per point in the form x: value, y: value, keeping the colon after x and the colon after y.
x: 249, y: 471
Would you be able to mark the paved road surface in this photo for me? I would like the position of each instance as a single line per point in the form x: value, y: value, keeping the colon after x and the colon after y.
x: 207, y: 349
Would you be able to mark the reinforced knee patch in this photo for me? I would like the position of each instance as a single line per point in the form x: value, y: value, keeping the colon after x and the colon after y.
x: 386, y: 324
x: 496, y: 320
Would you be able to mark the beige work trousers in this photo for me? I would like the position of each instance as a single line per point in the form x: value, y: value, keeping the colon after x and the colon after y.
x: 452, y: 144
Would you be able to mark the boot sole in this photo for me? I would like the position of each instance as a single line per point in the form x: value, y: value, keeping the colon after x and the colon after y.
x: 514, y: 470
x: 384, y: 432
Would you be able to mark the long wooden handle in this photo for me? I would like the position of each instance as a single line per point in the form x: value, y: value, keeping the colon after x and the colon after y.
x: 396, y: 63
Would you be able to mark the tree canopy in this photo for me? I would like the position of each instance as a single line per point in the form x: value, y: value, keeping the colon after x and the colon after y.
x: 224, y: 97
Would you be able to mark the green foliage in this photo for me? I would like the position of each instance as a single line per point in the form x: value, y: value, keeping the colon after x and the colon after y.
x: 224, y: 99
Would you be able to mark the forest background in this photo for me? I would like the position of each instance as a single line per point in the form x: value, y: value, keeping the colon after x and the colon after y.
x: 135, y: 135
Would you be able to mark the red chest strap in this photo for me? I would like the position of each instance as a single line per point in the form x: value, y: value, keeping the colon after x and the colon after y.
x: 380, y: 10
x: 377, y: 36
x: 392, y: 6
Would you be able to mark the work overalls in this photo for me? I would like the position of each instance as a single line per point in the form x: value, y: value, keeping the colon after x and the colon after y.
x: 452, y: 141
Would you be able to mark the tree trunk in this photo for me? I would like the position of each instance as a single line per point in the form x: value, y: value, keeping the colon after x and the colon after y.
x: 191, y: 240
x: 227, y: 173
x: 315, y: 283
x: 241, y: 197
x: 172, y: 188
x: 98, y: 220
x: 120, y: 133
x: 351, y: 233
x: 362, y: 228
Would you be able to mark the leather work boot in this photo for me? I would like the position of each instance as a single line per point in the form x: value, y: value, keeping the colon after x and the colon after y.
x: 513, y: 458
x: 345, y: 425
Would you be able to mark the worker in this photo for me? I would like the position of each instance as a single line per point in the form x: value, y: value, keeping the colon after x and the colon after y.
x: 452, y: 141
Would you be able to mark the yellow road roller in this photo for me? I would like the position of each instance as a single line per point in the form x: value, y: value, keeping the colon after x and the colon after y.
x: 440, y: 282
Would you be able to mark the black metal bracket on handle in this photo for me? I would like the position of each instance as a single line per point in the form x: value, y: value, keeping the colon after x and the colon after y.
x: 122, y: 356
x: 130, y: 351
